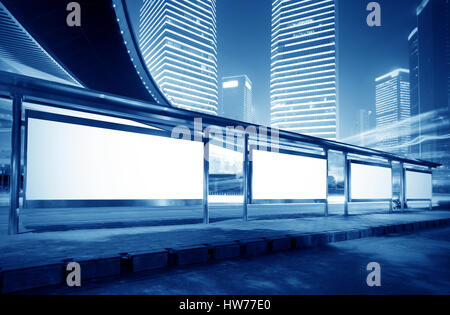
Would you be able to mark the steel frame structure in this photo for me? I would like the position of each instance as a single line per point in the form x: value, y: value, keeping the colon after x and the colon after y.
x: 22, y: 89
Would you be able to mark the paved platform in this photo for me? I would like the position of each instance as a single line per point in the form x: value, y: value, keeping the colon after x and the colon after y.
x: 31, y: 260
x: 411, y: 263
x: 46, y: 220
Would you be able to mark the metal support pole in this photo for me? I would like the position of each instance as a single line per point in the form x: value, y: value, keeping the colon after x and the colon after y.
x: 402, y: 187
x: 431, y: 200
x: 246, y: 177
x: 326, y: 181
x: 206, y: 180
x: 391, y: 209
x: 16, y: 145
x: 346, y: 183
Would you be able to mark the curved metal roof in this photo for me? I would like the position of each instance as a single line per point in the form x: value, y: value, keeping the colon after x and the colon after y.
x: 21, y: 54
x: 102, y: 53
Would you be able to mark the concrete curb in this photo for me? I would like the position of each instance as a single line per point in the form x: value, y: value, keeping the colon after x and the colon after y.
x: 222, y: 251
x: 254, y: 247
x: 353, y: 234
x: 21, y: 279
x: 189, y: 255
x: 300, y: 241
x: 145, y: 261
x: 97, y: 268
x: 31, y: 277
x: 338, y: 236
x: 280, y: 244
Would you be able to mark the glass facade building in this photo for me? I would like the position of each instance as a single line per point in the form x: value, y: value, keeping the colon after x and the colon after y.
x: 303, y: 67
x: 393, y: 108
x: 237, y: 98
x: 413, y: 42
x: 178, y: 40
x: 433, y: 33
x: 362, y: 126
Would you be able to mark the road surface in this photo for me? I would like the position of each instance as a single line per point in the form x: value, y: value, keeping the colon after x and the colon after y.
x: 416, y: 263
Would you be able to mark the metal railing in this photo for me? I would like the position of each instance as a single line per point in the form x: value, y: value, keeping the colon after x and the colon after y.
x: 22, y: 89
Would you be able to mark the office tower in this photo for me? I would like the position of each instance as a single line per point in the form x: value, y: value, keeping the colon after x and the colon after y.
x: 393, y: 111
x: 434, y: 67
x: 178, y: 41
x: 433, y: 24
x: 413, y: 41
x: 303, y: 67
x: 363, y: 125
x: 237, y: 100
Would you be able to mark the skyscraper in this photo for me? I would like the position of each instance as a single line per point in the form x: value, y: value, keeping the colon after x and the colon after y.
x: 434, y: 54
x: 433, y: 24
x: 393, y: 111
x: 434, y: 62
x: 179, y: 43
x: 237, y: 102
x: 303, y: 67
x: 413, y: 41
x: 363, y: 125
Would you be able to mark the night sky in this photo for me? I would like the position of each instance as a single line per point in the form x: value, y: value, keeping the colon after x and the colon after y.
x: 365, y: 52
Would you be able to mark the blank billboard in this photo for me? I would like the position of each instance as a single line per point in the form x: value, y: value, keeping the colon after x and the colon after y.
x: 75, y: 162
x: 278, y: 176
x: 370, y: 182
x: 418, y: 185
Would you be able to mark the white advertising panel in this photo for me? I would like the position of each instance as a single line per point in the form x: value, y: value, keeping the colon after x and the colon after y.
x: 74, y: 162
x: 370, y: 182
x: 418, y: 185
x: 279, y: 176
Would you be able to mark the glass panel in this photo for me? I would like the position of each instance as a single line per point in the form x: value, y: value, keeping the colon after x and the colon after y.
x: 74, y: 162
x: 335, y: 183
x: 397, y: 172
x: 279, y: 176
x: 370, y: 182
x: 5, y: 160
x: 226, y: 177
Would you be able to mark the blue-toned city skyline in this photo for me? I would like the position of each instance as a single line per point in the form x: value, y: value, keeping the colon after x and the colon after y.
x: 365, y: 52
x: 359, y: 54
x: 113, y: 134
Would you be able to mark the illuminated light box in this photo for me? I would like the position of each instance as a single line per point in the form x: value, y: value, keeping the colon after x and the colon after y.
x: 75, y: 162
x: 278, y: 176
x: 418, y: 186
x: 370, y: 182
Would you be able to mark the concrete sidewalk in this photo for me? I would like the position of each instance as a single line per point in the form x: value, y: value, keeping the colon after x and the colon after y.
x: 33, y: 260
